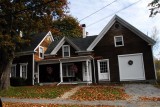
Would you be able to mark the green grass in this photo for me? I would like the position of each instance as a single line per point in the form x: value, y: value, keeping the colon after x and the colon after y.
x: 35, y: 91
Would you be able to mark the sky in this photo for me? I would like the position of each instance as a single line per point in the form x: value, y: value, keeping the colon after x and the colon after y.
x: 135, y: 12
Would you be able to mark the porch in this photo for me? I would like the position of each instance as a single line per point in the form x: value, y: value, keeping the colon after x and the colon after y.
x: 71, y: 70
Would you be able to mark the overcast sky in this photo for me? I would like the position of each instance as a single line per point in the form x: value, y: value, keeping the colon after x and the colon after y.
x: 136, y: 14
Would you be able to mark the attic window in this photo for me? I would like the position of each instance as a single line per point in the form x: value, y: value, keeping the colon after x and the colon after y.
x: 118, y: 41
x: 41, y: 52
x: 66, y: 50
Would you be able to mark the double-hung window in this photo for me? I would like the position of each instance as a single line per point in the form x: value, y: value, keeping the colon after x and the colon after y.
x: 13, y: 71
x: 41, y: 52
x: 23, y: 70
x: 66, y: 50
x: 67, y: 72
x: 118, y: 41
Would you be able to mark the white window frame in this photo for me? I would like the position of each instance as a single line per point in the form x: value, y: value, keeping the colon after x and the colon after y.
x: 67, y: 70
x: 68, y: 50
x: 108, y: 68
x: 40, y: 47
x: 23, y: 64
x: 116, y: 41
x: 13, y: 65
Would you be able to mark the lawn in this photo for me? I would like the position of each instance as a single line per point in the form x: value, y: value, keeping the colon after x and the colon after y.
x: 44, y: 105
x: 35, y: 91
x: 100, y: 93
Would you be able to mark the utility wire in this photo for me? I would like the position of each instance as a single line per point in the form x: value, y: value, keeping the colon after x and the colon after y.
x: 98, y: 10
x: 113, y: 13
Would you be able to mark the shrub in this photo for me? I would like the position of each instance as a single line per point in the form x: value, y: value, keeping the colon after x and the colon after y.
x: 158, y: 76
x: 17, y: 81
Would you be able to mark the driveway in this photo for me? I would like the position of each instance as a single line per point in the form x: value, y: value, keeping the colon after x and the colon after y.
x: 141, y: 90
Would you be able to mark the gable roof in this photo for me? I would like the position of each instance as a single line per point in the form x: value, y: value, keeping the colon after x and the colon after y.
x: 36, y: 40
x: 83, y: 43
x: 80, y: 44
x: 124, y: 23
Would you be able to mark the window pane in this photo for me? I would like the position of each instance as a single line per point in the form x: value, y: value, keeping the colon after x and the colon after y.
x: 13, y: 71
x: 119, y: 41
x: 66, y: 53
x: 103, y: 67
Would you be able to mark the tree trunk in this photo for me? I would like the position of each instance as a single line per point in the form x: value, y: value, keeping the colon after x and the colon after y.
x: 5, y: 76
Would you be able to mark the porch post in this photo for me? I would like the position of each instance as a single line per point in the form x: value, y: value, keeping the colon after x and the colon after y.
x: 87, y: 69
x: 61, y: 74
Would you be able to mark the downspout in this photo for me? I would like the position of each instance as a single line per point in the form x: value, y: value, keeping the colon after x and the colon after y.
x: 94, y: 69
x: 60, y: 74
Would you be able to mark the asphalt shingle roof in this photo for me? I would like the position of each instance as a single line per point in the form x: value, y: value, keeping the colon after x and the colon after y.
x: 82, y: 43
x: 36, y: 39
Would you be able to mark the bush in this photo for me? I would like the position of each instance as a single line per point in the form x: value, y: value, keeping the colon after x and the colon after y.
x: 158, y: 76
x: 17, y: 81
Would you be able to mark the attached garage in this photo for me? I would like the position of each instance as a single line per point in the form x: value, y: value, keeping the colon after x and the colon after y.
x: 131, y: 67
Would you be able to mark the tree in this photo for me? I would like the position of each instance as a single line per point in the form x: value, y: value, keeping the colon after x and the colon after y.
x: 67, y: 26
x: 155, y: 7
x: 28, y: 16
x: 155, y: 36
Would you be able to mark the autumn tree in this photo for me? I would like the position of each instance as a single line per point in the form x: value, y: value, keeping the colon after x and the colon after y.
x: 68, y: 26
x: 28, y: 16
x: 155, y: 7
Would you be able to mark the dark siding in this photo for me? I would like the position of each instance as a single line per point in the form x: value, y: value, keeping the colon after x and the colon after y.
x: 106, y: 49
x: 24, y: 59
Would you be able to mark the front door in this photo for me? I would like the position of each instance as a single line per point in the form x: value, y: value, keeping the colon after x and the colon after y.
x: 103, y: 69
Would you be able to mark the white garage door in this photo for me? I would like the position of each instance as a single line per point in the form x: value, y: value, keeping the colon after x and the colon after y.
x: 131, y: 67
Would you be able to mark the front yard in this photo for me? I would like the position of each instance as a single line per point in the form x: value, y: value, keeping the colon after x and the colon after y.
x: 35, y: 91
x: 100, y: 93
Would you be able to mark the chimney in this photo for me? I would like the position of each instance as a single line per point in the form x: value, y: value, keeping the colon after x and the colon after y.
x: 84, y: 32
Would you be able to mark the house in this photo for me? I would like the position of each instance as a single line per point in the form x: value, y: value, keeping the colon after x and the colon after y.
x: 119, y: 53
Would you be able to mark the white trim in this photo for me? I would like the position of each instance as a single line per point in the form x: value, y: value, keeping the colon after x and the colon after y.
x: 116, y: 41
x: 68, y: 50
x: 41, y: 47
x: 48, y: 34
x: 124, y: 23
x: 58, y: 46
x: 135, y: 54
x: 23, y: 64
x: 61, y: 72
x: 98, y: 66
x: 13, y: 65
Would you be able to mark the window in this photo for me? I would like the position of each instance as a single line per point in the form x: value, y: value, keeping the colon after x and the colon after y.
x: 67, y: 72
x: 13, y: 71
x: 23, y: 70
x: 103, y: 65
x: 66, y: 50
x: 41, y: 52
x: 118, y: 41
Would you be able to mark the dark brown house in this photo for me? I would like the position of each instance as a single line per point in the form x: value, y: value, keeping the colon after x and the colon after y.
x: 119, y: 53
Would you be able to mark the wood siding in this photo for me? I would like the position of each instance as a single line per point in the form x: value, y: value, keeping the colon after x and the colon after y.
x: 106, y: 49
x: 24, y: 59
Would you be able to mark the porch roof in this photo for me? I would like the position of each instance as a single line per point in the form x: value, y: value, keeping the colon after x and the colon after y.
x: 65, y: 60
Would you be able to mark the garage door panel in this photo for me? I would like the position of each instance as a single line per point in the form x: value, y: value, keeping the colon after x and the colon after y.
x: 131, y: 67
